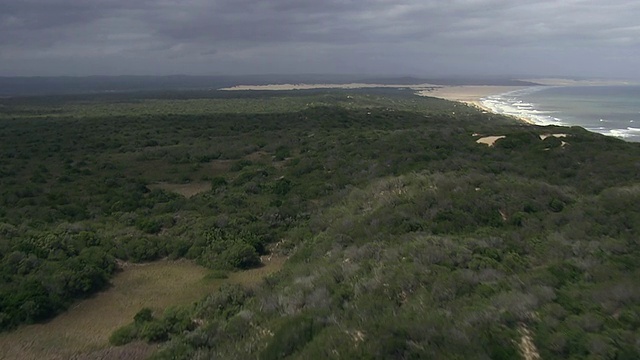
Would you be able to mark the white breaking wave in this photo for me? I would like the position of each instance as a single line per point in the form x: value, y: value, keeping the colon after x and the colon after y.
x: 628, y: 133
x: 621, y: 133
x: 510, y: 104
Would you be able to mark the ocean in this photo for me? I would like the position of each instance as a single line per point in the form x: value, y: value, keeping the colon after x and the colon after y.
x: 609, y: 110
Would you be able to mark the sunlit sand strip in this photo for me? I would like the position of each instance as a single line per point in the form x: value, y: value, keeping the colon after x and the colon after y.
x: 470, y: 94
x: 284, y: 87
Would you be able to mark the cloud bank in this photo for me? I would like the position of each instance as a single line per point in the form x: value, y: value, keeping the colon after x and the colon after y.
x: 417, y: 37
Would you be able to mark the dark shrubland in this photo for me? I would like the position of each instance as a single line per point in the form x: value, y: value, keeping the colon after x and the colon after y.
x: 405, y: 237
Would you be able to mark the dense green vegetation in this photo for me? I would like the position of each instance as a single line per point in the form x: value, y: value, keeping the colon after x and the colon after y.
x: 407, y: 238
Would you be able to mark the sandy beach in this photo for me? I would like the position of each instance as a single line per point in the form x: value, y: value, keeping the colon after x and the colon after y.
x: 471, y: 94
x: 468, y: 94
x: 285, y: 87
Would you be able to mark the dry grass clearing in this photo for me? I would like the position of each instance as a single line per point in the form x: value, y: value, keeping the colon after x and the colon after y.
x: 186, y: 190
x: 258, y: 156
x: 85, y: 328
x: 219, y: 167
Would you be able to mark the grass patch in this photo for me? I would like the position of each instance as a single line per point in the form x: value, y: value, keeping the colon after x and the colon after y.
x: 186, y: 190
x: 86, y: 326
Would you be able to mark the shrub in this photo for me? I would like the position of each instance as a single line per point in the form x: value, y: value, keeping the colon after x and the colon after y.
x: 143, y: 316
x: 149, y: 225
x: 282, y: 152
x: 241, y: 256
x: 154, y: 331
x: 292, y: 335
x: 124, y: 335
x: 218, y: 182
x: 556, y: 205
x: 240, y: 164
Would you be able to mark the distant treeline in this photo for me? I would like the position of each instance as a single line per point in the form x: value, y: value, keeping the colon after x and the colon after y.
x: 56, y: 85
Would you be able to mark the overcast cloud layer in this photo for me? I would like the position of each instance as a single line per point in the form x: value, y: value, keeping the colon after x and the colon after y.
x: 599, y: 38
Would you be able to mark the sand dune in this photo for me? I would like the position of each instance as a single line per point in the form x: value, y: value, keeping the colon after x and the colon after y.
x: 284, y: 87
x: 489, y: 140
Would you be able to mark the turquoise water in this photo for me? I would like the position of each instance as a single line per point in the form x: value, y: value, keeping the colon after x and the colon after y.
x: 609, y: 110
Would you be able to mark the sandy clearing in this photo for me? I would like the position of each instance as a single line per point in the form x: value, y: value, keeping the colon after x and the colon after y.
x: 526, y: 344
x: 544, y: 136
x: 558, y: 136
x: 489, y: 140
x: 284, y: 87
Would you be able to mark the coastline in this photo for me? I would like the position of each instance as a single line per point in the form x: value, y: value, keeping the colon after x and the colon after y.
x: 472, y: 95
x: 512, y: 102
x: 286, y: 87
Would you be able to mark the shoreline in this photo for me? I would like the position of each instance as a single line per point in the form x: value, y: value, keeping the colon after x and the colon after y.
x: 472, y: 95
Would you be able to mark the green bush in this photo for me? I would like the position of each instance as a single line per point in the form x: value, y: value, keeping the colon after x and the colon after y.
x: 240, y: 256
x: 143, y: 316
x: 124, y: 335
x: 218, y: 182
x: 282, y: 152
x: 292, y: 335
x: 154, y: 331
x: 149, y: 226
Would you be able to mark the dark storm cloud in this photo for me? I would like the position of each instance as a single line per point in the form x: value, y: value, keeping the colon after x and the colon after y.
x: 417, y: 36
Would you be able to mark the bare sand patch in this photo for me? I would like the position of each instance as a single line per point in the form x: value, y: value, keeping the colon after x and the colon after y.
x: 186, y: 190
x: 557, y: 136
x: 544, y: 136
x: 527, y: 346
x: 489, y: 140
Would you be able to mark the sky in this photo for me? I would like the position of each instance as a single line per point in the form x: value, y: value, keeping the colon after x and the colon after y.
x: 586, y: 38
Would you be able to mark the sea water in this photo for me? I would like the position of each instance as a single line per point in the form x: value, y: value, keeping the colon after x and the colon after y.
x: 609, y: 110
